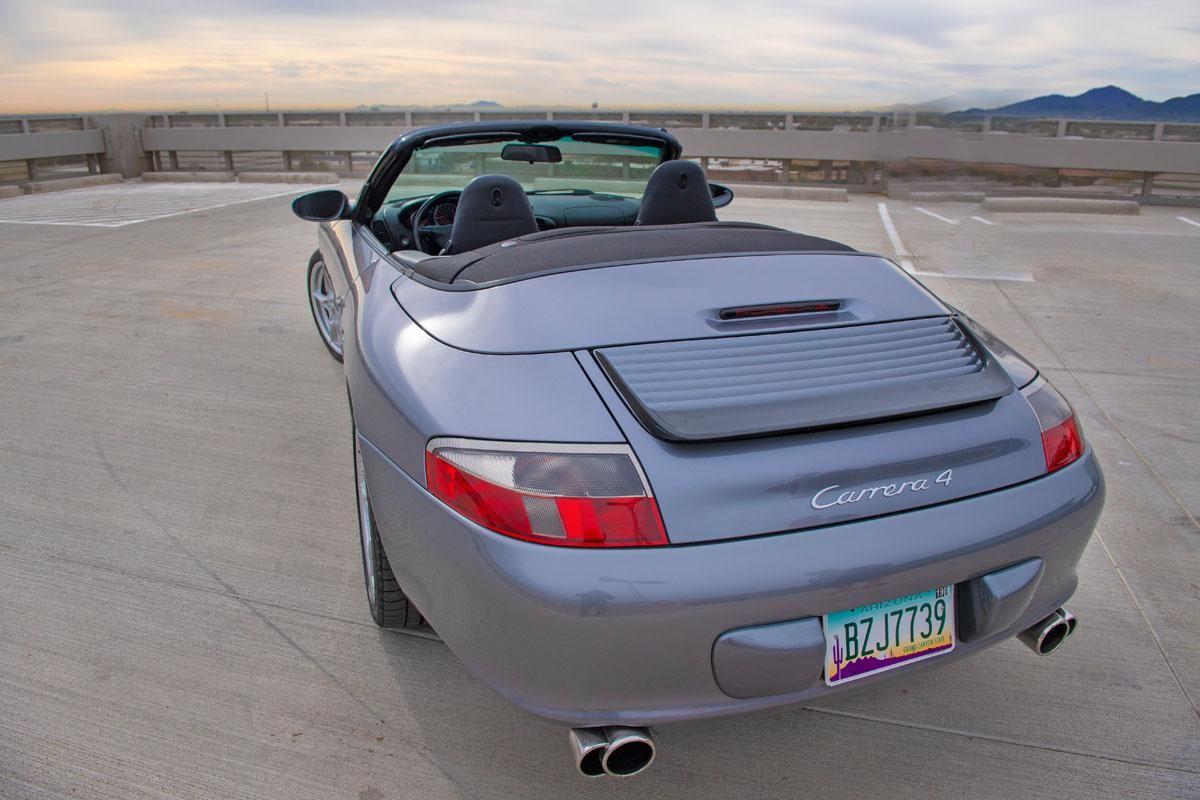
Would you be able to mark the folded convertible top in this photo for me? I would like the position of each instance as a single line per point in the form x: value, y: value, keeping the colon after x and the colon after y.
x: 576, y: 248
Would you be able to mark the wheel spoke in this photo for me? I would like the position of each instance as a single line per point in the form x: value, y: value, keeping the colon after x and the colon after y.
x: 325, y: 306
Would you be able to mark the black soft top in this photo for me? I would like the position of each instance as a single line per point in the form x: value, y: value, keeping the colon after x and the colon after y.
x: 576, y: 248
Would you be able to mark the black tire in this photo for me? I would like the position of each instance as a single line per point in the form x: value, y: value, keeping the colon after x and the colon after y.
x: 389, y: 606
x: 313, y: 261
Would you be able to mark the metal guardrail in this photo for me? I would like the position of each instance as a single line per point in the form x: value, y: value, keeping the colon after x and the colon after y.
x: 30, y: 139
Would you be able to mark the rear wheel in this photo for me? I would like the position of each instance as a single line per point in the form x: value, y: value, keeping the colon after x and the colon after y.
x: 323, y: 302
x: 390, y: 607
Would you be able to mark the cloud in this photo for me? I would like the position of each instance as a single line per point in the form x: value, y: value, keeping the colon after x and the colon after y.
x: 60, y: 55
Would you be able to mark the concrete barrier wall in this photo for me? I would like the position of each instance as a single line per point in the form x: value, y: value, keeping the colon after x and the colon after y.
x: 128, y: 143
x: 882, y: 146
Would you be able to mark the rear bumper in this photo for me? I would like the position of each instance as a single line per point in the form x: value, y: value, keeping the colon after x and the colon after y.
x: 594, y: 637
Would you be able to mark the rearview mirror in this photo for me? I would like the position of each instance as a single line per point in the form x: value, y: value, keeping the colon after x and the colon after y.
x: 323, y: 205
x: 532, y: 153
x: 721, y: 195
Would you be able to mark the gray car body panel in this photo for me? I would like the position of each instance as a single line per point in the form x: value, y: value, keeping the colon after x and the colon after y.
x: 663, y: 300
x: 627, y: 635
x: 407, y: 387
x: 721, y: 490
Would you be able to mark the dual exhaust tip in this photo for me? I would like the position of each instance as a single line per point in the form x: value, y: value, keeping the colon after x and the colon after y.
x: 1048, y: 635
x: 620, y: 752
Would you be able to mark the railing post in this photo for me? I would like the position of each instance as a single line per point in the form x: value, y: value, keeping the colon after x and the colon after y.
x: 625, y: 117
x: 987, y: 124
x: 1147, y: 185
x: 1158, y: 132
x: 704, y: 120
x: 228, y: 154
x: 876, y: 124
x: 408, y: 119
x: 789, y: 122
x: 786, y: 175
x: 24, y: 126
x: 31, y: 168
x: 550, y: 118
x: 172, y: 156
x: 287, y: 156
x: 478, y: 117
x: 1061, y: 131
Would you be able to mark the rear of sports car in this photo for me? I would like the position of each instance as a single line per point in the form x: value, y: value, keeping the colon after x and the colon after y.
x: 699, y: 487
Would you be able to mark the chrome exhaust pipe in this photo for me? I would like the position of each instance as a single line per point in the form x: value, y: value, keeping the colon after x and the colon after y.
x: 588, y: 746
x: 620, y: 752
x: 630, y: 750
x: 1048, y: 635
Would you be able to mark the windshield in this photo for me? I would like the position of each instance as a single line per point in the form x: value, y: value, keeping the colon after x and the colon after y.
x: 587, y: 166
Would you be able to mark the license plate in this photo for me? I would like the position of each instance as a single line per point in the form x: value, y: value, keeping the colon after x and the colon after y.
x: 881, y: 636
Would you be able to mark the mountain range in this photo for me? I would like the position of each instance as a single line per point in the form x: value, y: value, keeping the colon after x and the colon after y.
x: 1105, y: 102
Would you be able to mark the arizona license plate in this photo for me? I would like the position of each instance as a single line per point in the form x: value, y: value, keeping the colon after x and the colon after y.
x: 882, y: 636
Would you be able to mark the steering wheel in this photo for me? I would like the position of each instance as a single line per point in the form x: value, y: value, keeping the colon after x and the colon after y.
x: 429, y: 203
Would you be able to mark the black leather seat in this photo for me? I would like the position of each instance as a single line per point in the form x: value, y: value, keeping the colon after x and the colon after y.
x: 677, y: 193
x: 492, y: 208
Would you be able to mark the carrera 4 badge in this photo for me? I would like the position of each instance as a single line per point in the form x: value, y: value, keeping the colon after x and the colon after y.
x: 826, y: 498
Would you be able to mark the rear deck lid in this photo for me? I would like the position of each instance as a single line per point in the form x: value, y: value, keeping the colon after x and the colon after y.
x: 669, y: 300
x: 829, y: 456
x: 741, y: 386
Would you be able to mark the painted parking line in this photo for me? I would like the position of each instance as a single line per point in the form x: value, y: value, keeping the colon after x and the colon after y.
x: 984, y: 221
x: 935, y: 215
x: 904, y: 256
x: 1189, y: 221
x: 893, y: 235
x: 130, y: 204
x: 985, y: 275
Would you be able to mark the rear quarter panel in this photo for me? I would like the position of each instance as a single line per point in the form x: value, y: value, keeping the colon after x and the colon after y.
x: 406, y: 387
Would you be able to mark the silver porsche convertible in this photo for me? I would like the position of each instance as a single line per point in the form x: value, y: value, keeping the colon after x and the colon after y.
x: 639, y: 466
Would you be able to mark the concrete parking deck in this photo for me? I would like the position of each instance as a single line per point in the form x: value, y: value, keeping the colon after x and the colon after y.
x: 181, y: 603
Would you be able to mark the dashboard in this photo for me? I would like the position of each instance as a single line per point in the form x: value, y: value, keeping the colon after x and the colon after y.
x: 555, y: 210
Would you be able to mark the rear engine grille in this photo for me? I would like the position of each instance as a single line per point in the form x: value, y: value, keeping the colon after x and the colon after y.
x: 752, y: 385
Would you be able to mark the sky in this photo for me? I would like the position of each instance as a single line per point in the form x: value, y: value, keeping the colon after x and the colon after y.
x: 77, y: 56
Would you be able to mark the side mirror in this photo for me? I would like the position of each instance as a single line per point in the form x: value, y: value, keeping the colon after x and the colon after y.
x: 323, y: 205
x: 721, y: 195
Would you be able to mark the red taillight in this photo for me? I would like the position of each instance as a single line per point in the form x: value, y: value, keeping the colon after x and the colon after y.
x: 567, y: 495
x: 1062, y: 444
x: 1062, y: 441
